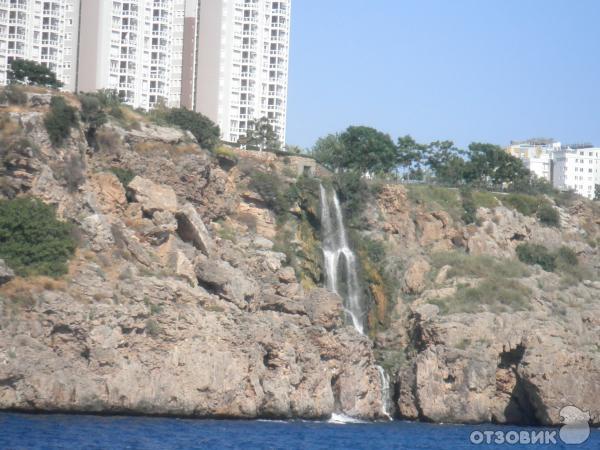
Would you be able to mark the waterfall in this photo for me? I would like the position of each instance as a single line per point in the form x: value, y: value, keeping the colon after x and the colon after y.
x: 341, y: 273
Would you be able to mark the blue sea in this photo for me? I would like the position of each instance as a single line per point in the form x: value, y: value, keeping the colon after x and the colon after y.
x: 33, y: 432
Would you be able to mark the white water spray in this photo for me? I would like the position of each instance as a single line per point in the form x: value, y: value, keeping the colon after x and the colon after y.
x: 341, y: 272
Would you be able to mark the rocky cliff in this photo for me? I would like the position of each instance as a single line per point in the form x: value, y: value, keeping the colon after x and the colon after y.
x: 196, y: 291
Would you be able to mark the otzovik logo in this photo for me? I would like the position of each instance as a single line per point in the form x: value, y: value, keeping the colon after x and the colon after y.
x: 576, y: 429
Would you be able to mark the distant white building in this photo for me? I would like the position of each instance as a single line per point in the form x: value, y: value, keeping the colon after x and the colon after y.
x: 577, y: 169
x: 536, y: 155
x: 42, y: 31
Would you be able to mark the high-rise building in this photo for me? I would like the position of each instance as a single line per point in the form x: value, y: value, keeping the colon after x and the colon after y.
x: 578, y: 169
x: 134, y: 47
x: 242, y: 66
x: 42, y: 31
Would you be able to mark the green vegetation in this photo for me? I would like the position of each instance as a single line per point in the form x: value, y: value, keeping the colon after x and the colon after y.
x: 202, y: 128
x: 32, y: 240
x: 59, y: 120
x: 485, y: 199
x: 273, y: 191
x: 478, y: 266
x: 563, y: 258
x: 260, y: 134
x: 495, y: 294
x: 469, y: 206
x: 548, y: 215
x: 537, y: 254
x: 358, y: 149
x: 527, y: 205
x: 125, y: 176
x: 436, y: 197
x: 29, y: 72
x: 563, y: 261
x: 13, y: 94
x: 152, y: 328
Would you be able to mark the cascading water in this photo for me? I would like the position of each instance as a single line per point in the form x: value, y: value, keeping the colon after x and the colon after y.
x: 341, y: 271
x: 340, y: 261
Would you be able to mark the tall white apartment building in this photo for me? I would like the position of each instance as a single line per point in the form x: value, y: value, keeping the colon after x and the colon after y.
x: 134, y: 47
x: 577, y: 169
x: 242, y: 67
x: 44, y: 31
x: 537, y: 155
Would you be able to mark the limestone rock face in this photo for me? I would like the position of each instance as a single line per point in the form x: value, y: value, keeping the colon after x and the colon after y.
x: 153, y: 197
x: 324, y: 308
x: 109, y: 192
x: 415, y: 276
x: 507, y: 368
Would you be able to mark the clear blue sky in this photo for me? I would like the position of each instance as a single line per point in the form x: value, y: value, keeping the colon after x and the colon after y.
x: 465, y: 70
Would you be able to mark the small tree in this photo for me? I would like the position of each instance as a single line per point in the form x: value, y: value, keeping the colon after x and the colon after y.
x: 92, y: 114
x: 32, y: 73
x: 262, y: 135
x: 59, y: 120
x: 597, y: 192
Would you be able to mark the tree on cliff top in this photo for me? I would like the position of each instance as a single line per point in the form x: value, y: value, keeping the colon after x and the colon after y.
x: 29, y: 72
x: 262, y: 135
x: 359, y: 149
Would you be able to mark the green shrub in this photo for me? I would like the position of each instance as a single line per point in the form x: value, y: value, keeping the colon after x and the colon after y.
x: 527, y: 205
x: 435, y: 197
x: 73, y: 171
x: 484, y: 199
x: 206, y: 132
x: 493, y: 294
x: 32, y: 240
x: 273, y: 191
x: 478, y: 266
x: 537, y: 254
x: 125, y: 176
x: 152, y: 328
x: 13, y: 95
x: 469, y: 207
x: 548, y: 215
x: 92, y: 111
x: 59, y: 120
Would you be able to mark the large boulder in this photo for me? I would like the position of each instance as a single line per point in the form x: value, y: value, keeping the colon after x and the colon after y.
x: 191, y: 228
x: 153, y: 197
x: 221, y: 278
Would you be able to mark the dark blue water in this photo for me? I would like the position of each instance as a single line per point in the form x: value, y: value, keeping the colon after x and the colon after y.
x: 19, y: 431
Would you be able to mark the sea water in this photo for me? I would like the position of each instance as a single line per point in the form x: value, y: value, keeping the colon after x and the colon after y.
x: 37, y: 432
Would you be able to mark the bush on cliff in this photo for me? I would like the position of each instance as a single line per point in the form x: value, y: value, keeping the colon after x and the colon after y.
x: 32, y: 240
x: 205, y: 131
x: 537, y: 254
x: 59, y: 120
x: 548, y: 215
